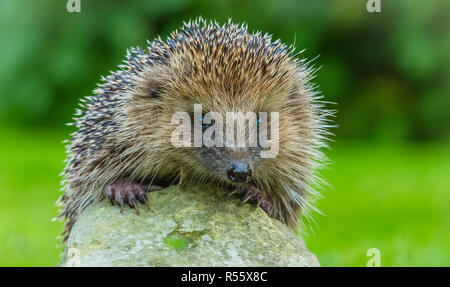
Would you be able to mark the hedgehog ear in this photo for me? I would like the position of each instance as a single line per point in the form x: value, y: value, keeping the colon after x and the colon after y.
x: 152, y: 89
x: 150, y: 86
x: 155, y: 92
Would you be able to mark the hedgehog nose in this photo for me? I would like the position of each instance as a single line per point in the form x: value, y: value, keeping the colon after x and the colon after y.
x: 239, y: 172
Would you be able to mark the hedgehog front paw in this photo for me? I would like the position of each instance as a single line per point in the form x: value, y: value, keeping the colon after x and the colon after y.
x: 251, y: 194
x: 123, y: 191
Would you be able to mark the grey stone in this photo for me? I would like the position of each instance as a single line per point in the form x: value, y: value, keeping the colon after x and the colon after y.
x: 189, y: 227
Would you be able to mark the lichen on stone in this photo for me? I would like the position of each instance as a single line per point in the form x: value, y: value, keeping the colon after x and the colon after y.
x: 185, y: 227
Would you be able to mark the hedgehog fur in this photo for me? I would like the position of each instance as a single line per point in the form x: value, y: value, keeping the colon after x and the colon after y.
x: 123, y: 131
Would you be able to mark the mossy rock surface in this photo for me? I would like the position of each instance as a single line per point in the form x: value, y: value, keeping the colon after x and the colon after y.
x: 189, y: 227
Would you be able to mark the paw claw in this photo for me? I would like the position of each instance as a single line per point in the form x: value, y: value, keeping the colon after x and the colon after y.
x: 120, y: 201
x: 133, y: 204
x: 251, y: 194
x: 245, y: 200
x: 143, y: 199
x: 129, y: 192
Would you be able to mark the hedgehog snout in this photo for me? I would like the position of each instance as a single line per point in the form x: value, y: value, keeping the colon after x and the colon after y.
x: 239, y: 172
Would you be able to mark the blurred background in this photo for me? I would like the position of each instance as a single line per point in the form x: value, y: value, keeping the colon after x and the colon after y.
x: 388, y: 72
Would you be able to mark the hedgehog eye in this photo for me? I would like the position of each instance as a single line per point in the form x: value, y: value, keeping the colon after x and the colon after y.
x: 258, y: 122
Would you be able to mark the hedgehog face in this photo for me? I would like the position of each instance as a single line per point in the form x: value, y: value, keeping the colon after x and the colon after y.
x: 235, y: 154
x: 225, y: 69
x: 222, y: 139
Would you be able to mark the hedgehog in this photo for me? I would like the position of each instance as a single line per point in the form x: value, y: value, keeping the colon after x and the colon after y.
x: 121, y: 149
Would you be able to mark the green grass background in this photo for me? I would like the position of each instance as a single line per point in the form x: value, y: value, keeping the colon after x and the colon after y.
x: 388, y: 73
x: 391, y: 197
